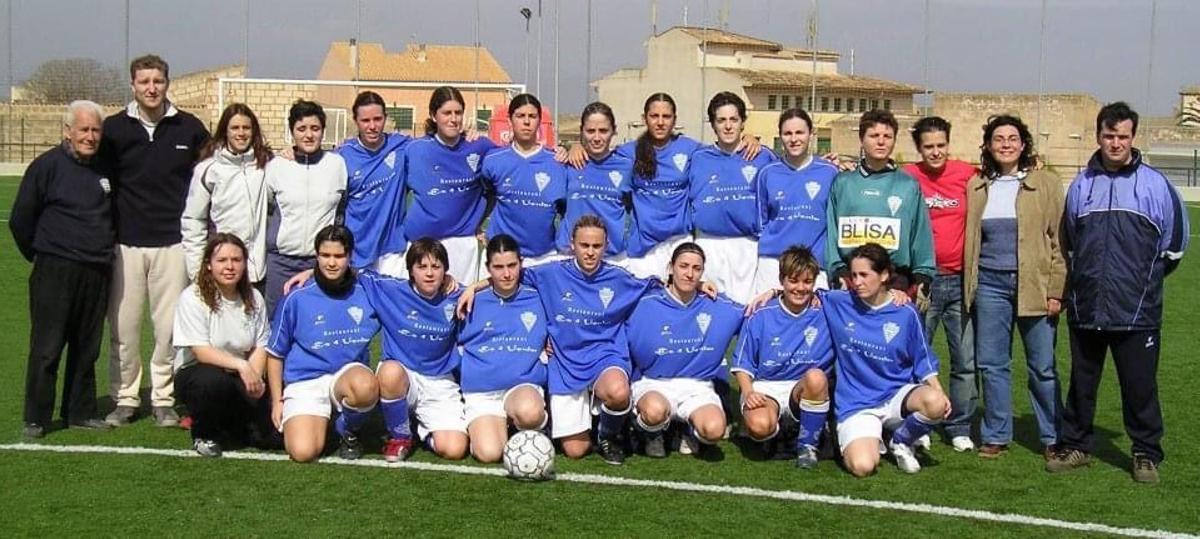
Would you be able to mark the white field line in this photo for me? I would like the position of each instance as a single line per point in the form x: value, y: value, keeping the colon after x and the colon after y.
x: 785, y: 495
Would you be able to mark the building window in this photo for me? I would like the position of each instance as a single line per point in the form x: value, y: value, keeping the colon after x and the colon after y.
x: 862, y: 105
x: 785, y: 102
x: 824, y: 104
x: 401, y: 118
x: 771, y: 102
x: 483, y: 118
x: 799, y: 102
x: 810, y: 103
x: 874, y: 103
x: 887, y: 104
x: 837, y: 104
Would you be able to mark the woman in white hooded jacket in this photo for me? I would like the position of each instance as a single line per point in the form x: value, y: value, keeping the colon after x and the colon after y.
x: 228, y: 192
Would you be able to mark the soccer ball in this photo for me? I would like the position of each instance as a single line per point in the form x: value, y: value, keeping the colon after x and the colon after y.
x: 529, y: 455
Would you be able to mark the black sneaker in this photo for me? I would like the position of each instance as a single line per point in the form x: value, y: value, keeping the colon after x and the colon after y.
x: 1144, y: 469
x: 654, y: 444
x: 610, y: 450
x: 206, y: 448
x: 89, y: 424
x: 350, y: 448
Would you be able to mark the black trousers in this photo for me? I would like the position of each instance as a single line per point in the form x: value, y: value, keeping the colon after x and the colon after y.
x: 1135, y: 354
x: 67, y: 304
x: 220, y: 409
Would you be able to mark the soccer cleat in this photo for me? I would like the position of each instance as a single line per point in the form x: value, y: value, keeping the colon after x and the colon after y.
x: 806, y: 459
x: 654, y: 444
x: 923, y: 443
x: 1144, y: 469
x: 90, y: 424
x: 397, y: 449
x: 165, y: 416
x: 350, y: 448
x: 689, y: 445
x: 206, y: 448
x: 121, y: 415
x: 34, y: 431
x: 992, y: 451
x: 962, y: 444
x: 1067, y: 459
x: 906, y: 460
x: 610, y: 450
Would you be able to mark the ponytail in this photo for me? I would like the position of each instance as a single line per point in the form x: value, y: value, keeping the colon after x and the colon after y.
x: 645, y: 163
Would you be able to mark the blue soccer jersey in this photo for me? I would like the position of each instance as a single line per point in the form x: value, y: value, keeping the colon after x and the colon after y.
x: 315, y: 334
x: 670, y: 339
x: 447, y: 198
x: 879, y: 350
x: 791, y: 206
x: 779, y: 345
x: 501, y: 342
x: 418, y: 332
x: 722, y: 192
x: 586, y: 319
x: 660, y: 204
x: 530, y: 193
x: 602, y: 188
x: 374, y: 197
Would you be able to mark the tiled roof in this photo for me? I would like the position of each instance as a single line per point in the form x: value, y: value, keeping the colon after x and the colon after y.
x: 791, y: 79
x: 420, y: 63
x: 721, y: 37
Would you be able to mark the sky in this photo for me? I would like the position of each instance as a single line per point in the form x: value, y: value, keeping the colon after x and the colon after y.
x: 1142, y: 51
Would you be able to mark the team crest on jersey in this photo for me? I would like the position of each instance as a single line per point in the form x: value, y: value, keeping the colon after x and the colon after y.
x: 528, y: 319
x: 616, y: 178
x: 390, y: 160
x: 813, y: 189
x: 105, y: 186
x: 890, y: 330
x: 680, y: 160
x: 542, y: 180
x: 894, y: 203
x: 810, y: 335
x: 448, y: 311
x: 473, y: 162
x: 606, y: 296
x: 356, y: 313
x: 748, y: 172
x: 703, y: 320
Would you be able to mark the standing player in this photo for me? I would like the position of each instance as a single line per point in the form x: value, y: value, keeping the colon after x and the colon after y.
x: 442, y: 174
x: 886, y: 374
x: 723, y: 200
x: 318, y: 353
x: 525, y: 185
x: 501, y: 348
x: 878, y: 203
x: 602, y: 186
x: 677, y: 341
x: 792, y: 195
x: 784, y: 357
x: 943, y: 183
x: 374, y: 207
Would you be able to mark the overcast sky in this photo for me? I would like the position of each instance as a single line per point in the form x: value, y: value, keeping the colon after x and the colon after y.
x: 1102, y: 47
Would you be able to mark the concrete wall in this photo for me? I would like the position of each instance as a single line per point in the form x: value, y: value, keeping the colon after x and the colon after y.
x: 26, y: 131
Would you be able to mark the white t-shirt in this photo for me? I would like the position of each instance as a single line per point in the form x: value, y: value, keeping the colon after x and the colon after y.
x: 229, y: 329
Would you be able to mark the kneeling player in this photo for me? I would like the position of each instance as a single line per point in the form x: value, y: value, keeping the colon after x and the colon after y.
x: 886, y: 373
x: 501, y: 345
x: 783, y: 358
x: 677, y: 338
x: 317, y: 356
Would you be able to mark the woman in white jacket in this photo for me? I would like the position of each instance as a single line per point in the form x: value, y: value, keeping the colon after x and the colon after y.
x: 228, y: 192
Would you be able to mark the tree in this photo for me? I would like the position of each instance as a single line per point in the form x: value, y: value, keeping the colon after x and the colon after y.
x: 65, y: 80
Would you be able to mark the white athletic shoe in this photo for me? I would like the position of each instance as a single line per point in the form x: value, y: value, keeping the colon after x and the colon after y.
x: 905, y: 459
x: 689, y: 445
x: 962, y: 444
x: 923, y: 443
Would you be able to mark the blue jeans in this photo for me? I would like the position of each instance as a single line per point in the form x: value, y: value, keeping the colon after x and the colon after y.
x: 946, y: 307
x: 995, y: 314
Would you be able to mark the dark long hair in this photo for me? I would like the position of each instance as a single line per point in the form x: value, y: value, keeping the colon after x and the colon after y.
x: 206, y: 285
x: 597, y: 107
x: 502, y: 243
x: 876, y: 255
x: 988, y: 163
x: 365, y: 99
x: 439, y: 97
x: 682, y: 249
x: 258, y: 144
x: 645, y: 163
x: 722, y: 99
x: 795, y: 113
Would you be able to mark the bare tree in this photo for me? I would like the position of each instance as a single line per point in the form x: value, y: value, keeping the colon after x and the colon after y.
x: 68, y: 79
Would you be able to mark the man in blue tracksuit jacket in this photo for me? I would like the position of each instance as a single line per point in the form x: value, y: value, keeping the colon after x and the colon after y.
x: 1125, y: 228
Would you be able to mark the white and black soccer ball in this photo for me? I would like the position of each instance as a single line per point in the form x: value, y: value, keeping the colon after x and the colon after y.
x: 529, y: 455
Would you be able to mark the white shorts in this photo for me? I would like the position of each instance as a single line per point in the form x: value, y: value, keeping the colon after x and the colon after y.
x: 766, y: 276
x: 870, y: 423
x: 684, y: 395
x: 780, y: 391
x: 392, y: 265
x: 464, y: 253
x: 572, y: 413
x: 436, y: 402
x: 315, y: 396
x: 491, y: 403
x: 552, y: 256
x: 730, y: 264
x: 654, y: 263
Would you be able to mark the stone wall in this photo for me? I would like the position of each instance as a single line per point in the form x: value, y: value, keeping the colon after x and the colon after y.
x: 28, y: 130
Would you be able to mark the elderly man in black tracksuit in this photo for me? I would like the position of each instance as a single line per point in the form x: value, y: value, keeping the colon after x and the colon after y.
x: 62, y: 222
